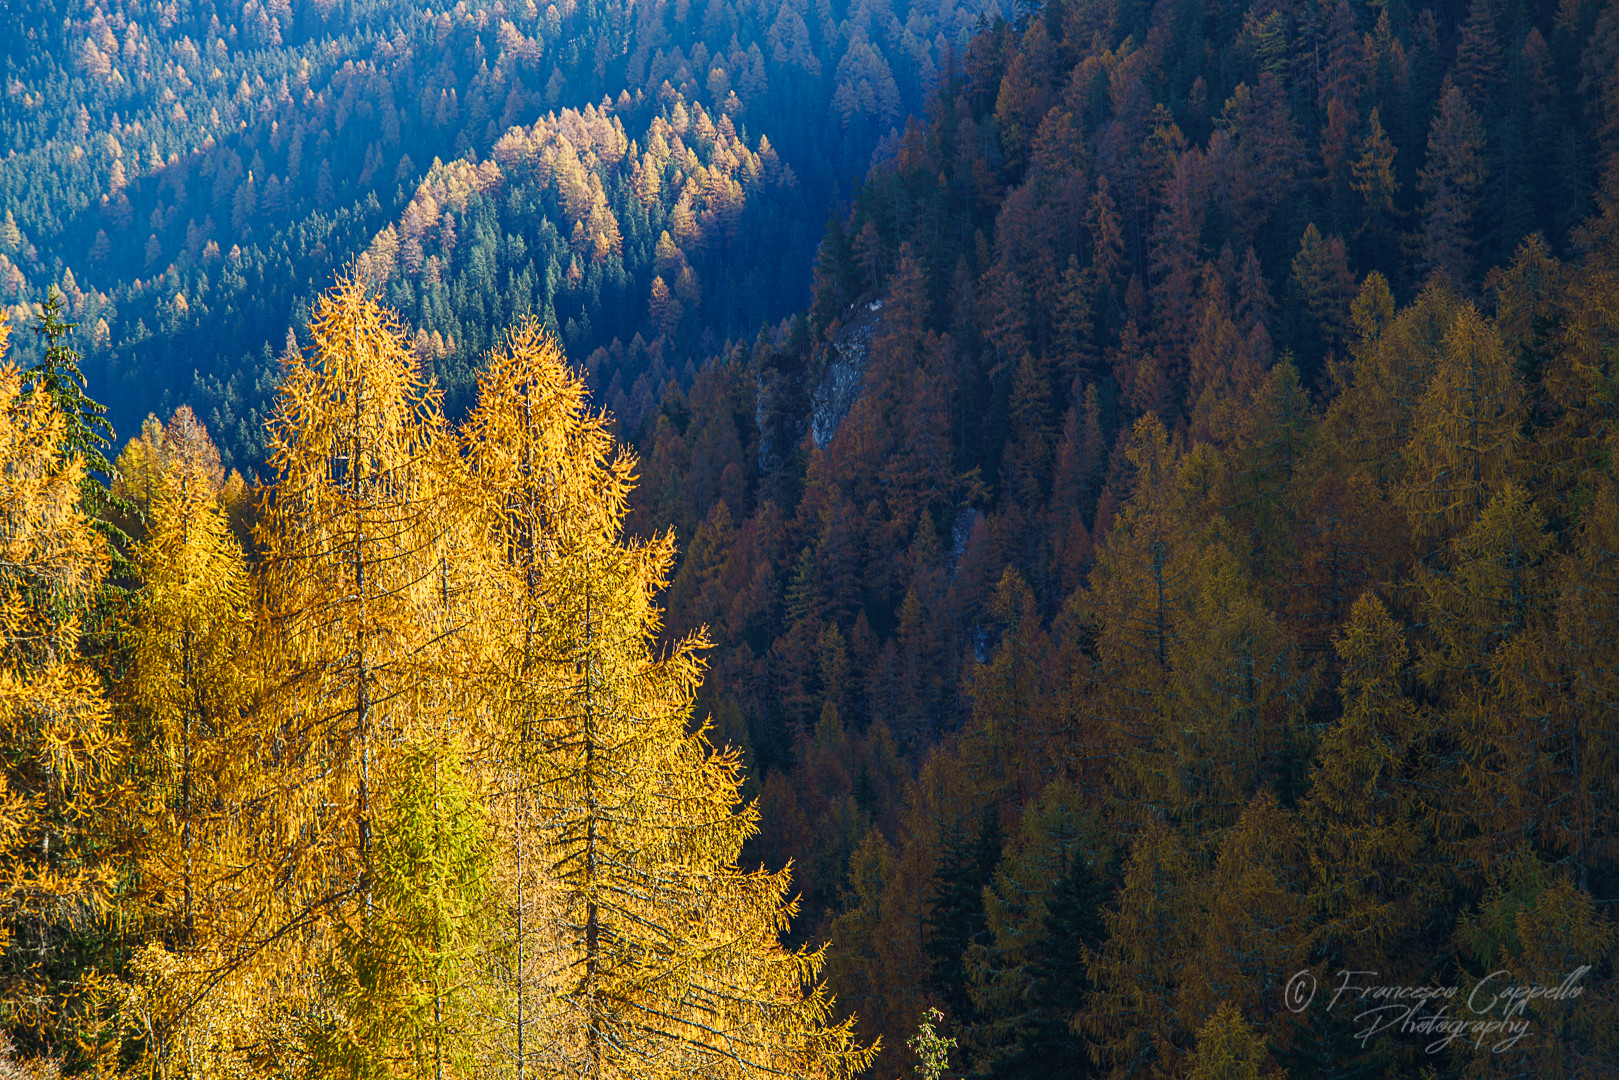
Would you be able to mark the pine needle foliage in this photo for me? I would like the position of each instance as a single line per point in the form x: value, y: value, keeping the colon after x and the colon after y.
x: 86, y: 433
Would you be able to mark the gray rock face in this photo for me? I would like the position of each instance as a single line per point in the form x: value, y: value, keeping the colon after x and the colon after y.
x: 767, y: 448
x: 847, y: 355
x: 959, y: 536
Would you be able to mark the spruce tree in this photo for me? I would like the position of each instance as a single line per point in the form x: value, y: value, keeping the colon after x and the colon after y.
x: 86, y: 433
x: 1070, y: 929
x: 1452, y: 178
x: 955, y: 921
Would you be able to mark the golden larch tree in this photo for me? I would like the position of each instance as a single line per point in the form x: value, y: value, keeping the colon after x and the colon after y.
x: 666, y: 959
x: 1465, y: 429
x: 196, y: 753
x: 364, y: 587
x: 58, y: 748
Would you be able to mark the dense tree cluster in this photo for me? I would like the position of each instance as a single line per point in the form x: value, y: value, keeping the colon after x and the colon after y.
x: 1212, y: 576
x: 400, y: 787
x: 572, y: 221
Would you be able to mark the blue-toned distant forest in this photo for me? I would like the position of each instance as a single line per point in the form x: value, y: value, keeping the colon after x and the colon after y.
x: 191, y: 175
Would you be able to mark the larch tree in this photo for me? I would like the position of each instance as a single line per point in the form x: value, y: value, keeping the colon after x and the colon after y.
x: 1220, y: 371
x: 1581, y: 378
x: 1270, y: 447
x: 1141, y: 589
x: 141, y: 469
x: 1557, y: 692
x: 1374, y: 179
x: 1238, y: 697
x: 1228, y: 1049
x: 1195, y: 680
x: 1008, y: 736
x: 364, y: 561
x: 1133, y: 1022
x: 1392, y: 361
x: 1370, y: 836
x: 1348, y: 540
x: 58, y: 748
x: 1478, y: 57
x: 1494, y: 585
x: 1256, y: 927
x: 196, y: 754
x: 667, y: 960
x: 349, y: 536
x: 1465, y: 430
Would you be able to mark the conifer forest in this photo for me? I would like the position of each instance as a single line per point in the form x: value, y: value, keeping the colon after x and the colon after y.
x: 809, y: 539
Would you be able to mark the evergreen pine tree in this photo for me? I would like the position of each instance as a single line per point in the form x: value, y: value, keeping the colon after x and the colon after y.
x: 1452, y: 178
x: 956, y: 917
x: 86, y: 432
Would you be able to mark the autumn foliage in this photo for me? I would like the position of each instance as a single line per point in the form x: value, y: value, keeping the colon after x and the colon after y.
x: 400, y: 787
x: 1186, y: 593
x: 1174, y: 553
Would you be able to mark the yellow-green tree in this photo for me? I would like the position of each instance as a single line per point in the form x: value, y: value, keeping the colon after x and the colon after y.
x: 1228, y: 1049
x: 1556, y: 689
x: 1133, y: 1021
x: 408, y: 978
x: 1465, y: 429
x: 1484, y: 609
x: 1255, y: 930
x: 1495, y: 585
x: 1239, y: 695
x: 1537, y: 923
x: 1141, y: 594
x: 1365, y: 812
x: 1198, y: 681
x: 1392, y: 358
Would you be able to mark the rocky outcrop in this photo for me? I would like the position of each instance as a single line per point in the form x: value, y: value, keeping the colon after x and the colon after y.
x: 845, y: 373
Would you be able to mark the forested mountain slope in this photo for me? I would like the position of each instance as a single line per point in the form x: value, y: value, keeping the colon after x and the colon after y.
x: 1175, y: 549
x: 191, y: 174
x: 1214, y: 576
